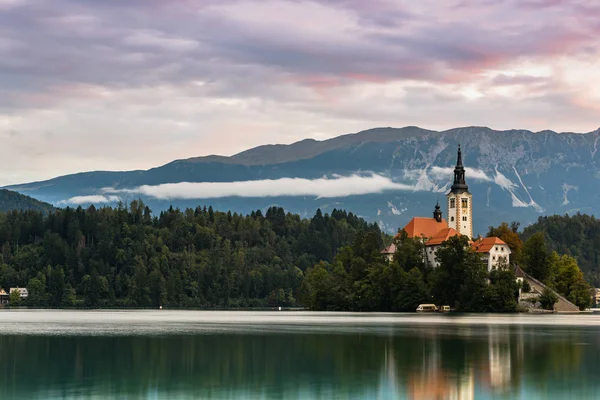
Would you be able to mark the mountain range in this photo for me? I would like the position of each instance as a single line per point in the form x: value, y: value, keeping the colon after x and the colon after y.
x: 387, y: 175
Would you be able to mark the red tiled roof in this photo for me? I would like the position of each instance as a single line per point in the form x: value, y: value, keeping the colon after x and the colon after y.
x: 484, y: 245
x: 391, y: 249
x: 441, y: 236
x: 424, y: 227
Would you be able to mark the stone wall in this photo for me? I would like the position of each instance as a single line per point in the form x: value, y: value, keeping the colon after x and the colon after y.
x: 562, y: 305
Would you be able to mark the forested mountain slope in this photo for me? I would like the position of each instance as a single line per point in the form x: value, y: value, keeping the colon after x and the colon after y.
x: 10, y: 200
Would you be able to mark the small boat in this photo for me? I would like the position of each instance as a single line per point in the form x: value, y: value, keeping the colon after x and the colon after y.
x: 445, y: 309
x: 427, y: 308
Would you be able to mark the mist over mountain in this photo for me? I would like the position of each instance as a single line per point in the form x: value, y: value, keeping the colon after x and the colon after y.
x: 385, y: 175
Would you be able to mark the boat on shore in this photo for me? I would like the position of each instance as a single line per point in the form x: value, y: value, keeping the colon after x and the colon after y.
x: 427, y: 308
x: 432, y: 308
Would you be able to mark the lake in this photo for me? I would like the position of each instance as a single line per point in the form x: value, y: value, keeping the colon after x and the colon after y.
x: 296, y: 355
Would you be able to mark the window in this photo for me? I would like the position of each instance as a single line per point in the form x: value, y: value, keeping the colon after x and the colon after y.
x: 502, y: 248
x: 465, y: 219
x: 494, y: 258
x: 451, y: 219
x: 496, y: 248
x: 465, y: 203
x: 452, y: 203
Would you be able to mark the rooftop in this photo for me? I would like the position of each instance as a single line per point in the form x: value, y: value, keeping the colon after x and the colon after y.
x: 424, y: 227
x: 391, y: 249
x: 441, y: 236
x: 484, y: 245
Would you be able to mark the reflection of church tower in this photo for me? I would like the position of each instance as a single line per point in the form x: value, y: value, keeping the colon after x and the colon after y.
x: 460, y: 210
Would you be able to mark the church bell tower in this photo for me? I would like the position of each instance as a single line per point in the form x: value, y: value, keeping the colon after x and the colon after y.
x: 460, y: 204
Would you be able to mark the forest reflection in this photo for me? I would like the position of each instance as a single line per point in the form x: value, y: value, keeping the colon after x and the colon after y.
x: 428, y: 363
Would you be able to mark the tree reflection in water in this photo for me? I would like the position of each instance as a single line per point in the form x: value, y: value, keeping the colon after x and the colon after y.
x: 424, y: 363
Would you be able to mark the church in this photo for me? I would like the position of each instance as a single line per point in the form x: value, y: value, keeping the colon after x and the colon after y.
x: 435, y: 231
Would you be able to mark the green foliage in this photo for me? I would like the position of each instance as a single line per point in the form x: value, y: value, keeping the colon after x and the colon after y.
x: 412, y: 291
x: 126, y: 257
x: 577, y: 235
x: 502, y: 292
x: 525, y: 287
x: 460, y: 280
x: 37, y: 292
x: 547, y: 299
x: 567, y: 279
x: 410, y: 253
x: 14, y: 299
x: 536, y: 257
x: 561, y: 273
x: 361, y: 280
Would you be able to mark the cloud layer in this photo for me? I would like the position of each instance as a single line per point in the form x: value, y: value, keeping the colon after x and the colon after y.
x: 434, y: 179
x: 320, y: 188
x: 132, y: 84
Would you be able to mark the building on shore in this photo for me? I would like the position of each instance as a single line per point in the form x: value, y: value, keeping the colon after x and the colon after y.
x: 23, y: 293
x: 435, y: 231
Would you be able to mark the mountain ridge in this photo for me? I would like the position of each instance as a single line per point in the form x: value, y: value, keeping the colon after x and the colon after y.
x: 365, y: 134
x: 514, y: 175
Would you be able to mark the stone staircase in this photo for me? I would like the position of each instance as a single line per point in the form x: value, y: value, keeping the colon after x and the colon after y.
x: 562, y: 305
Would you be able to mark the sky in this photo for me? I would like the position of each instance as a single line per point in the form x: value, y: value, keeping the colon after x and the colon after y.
x: 134, y: 84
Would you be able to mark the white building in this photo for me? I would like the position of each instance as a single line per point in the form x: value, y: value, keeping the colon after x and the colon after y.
x: 22, y: 291
x: 492, y: 251
x: 389, y: 252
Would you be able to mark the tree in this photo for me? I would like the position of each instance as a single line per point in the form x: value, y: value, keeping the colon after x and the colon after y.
x: 37, y: 296
x: 502, y: 292
x: 460, y: 279
x: 316, y: 287
x: 412, y: 292
x: 536, y: 257
x: 68, y: 297
x: 567, y: 279
x: 548, y: 298
x: 14, y: 299
x: 95, y: 287
x: 56, y: 286
x: 410, y: 253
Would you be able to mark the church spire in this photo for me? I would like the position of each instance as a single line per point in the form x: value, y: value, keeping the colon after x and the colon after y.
x: 437, y: 214
x: 459, y: 185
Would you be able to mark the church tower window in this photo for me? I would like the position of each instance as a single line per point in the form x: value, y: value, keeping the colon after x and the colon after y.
x: 452, y: 203
x: 465, y: 203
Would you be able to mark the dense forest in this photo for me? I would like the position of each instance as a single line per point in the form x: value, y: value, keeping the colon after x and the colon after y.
x: 126, y: 257
x: 577, y: 235
x: 201, y: 258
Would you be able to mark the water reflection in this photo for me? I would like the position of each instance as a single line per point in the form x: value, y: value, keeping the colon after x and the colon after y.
x: 425, y: 363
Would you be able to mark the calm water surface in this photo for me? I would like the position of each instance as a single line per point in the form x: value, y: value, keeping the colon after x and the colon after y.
x: 296, y: 355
